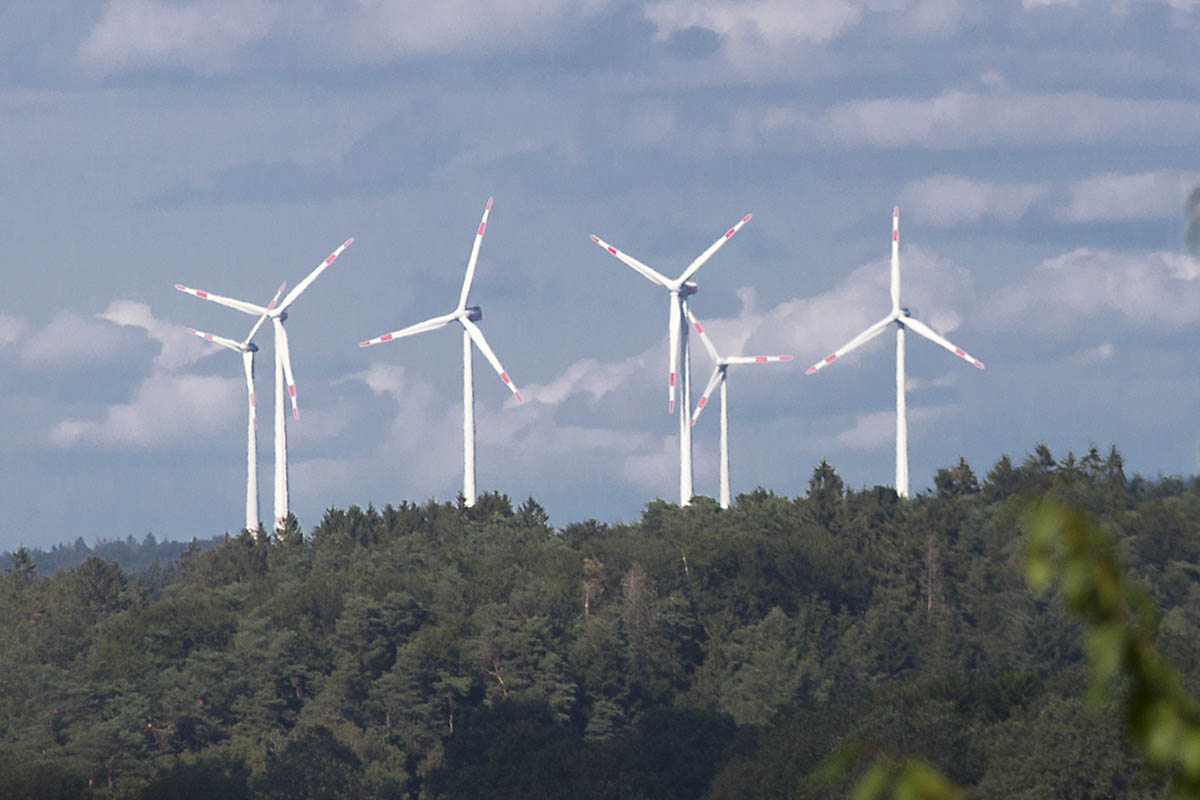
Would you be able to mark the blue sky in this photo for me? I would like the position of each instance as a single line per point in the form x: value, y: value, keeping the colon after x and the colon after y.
x: 1040, y: 152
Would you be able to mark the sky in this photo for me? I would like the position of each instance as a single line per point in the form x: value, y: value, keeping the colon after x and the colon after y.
x: 1040, y: 152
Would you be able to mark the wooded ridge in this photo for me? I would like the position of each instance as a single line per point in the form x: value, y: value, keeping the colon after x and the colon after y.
x: 438, y: 650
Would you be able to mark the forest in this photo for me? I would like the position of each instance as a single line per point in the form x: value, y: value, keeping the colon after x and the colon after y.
x: 443, y: 651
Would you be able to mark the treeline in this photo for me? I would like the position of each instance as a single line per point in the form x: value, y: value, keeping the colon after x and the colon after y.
x: 132, y: 555
x: 442, y: 651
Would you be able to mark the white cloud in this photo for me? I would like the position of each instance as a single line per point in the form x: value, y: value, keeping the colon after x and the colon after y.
x: 165, y: 409
x: 589, y: 376
x: 1115, y: 6
x: 916, y: 384
x: 1150, y: 289
x: 773, y: 22
x: 201, y: 36
x: 751, y: 24
x: 12, y: 329
x: 177, y: 347
x: 1115, y: 197
x: 945, y: 200
x: 380, y: 29
x: 71, y: 340
x: 380, y: 378
x: 1094, y: 355
x: 956, y: 119
x: 876, y: 429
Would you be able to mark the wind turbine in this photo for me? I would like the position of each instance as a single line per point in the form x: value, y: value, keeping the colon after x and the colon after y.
x: 903, y: 321
x: 720, y: 365
x: 283, y: 367
x: 467, y: 316
x: 247, y: 348
x: 679, y: 289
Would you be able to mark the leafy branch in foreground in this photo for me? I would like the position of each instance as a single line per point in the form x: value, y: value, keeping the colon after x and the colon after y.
x: 902, y: 779
x: 1066, y: 549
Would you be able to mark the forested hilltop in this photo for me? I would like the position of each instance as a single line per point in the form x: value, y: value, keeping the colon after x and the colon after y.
x: 444, y: 651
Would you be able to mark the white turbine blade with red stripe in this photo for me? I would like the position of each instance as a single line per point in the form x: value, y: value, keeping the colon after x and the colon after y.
x: 221, y: 340
x: 263, y: 317
x: 248, y: 366
x: 481, y: 343
x: 708, y: 345
x: 240, y: 305
x: 895, y: 288
x: 312, y: 276
x: 707, y: 254
x: 673, y: 347
x: 649, y: 273
x: 420, y: 327
x: 864, y: 337
x: 920, y: 327
x: 718, y: 375
x: 466, y: 287
x: 281, y: 344
x: 754, y: 359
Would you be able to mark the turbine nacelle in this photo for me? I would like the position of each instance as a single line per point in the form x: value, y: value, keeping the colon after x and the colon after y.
x: 474, y: 313
x: 688, y: 288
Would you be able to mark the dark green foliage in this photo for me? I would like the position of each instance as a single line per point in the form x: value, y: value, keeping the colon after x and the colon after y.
x: 440, y: 650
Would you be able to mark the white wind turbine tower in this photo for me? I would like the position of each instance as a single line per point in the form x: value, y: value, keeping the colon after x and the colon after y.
x: 903, y: 321
x: 720, y: 365
x: 247, y: 348
x: 283, y: 368
x: 677, y: 334
x: 467, y: 316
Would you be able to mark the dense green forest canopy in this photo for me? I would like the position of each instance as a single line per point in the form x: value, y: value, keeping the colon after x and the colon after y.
x: 438, y: 650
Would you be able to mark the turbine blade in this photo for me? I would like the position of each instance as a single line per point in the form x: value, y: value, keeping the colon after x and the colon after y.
x: 312, y: 276
x: 263, y: 317
x: 920, y: 327
x: 248, y: 367
x: 240, y: 305
x: 481, y: 343
x: 281, y: 342
x: 420, y: 327
x: 718, y: 375
x: 221, y: 340
x: 649, y: 273
x: 708, y: 345
x: 466, y: 287
x: 673, y: 348
x: 895, y: 259
x: 714, y: 247
x: 754, y: 359
x: 866, y: 336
